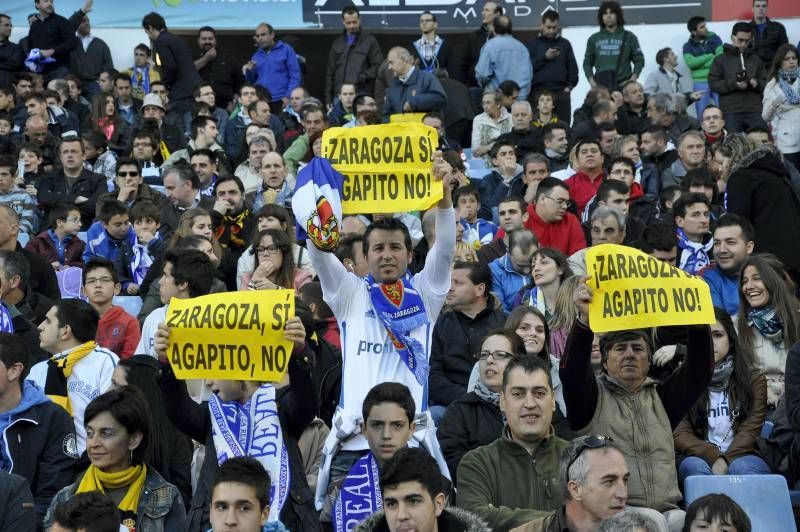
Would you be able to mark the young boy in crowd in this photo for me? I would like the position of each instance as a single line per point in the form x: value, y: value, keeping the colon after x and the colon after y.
x: 30, y: 167
x: 106, y: 236
x: 388, y: 412
x: 10, y: 194
x: 6, y: 123
x: 142, y: 250
x: 60, y: 245
x: 477, y: 231
x: 99, y: 159
x: 117, y: 330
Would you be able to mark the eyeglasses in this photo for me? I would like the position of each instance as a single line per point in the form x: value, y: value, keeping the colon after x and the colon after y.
x: 127, y: 174
x: 73, y: 219
x: 95, y: 280
x: 269, y: 250
x: 559, y: 202
x: 594, y: 441
x: 497, y: 356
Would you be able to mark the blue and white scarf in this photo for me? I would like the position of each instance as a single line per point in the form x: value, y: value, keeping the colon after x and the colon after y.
x: 359, y: 496
x: 141, y: 262
x: 694, y: 256
x: 6, y: 325
x: 253, y: 429
x: 401, y: 309
x: 786, y: 78
x: 768, y: 323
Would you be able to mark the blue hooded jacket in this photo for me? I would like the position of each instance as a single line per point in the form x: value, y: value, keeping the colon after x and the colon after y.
x: 32, y: 395
x: 724, y: 289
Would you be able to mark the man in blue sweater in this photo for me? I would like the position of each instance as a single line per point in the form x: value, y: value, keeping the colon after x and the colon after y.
x: 734, y: 240
x: 274, y: 66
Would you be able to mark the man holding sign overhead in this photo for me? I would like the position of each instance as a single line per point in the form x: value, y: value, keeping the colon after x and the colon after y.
x: 386, y: 319
x: 636, y: 411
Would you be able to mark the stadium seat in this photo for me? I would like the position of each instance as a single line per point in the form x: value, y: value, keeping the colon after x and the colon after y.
x: 23, y: 238
x: 131, y: 304
x: 765, y: 498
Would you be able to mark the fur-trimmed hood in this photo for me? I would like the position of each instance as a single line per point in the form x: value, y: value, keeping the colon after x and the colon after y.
x: 452, y: 520
x: 762, y: 151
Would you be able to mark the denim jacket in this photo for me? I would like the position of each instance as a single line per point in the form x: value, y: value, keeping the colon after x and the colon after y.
x: 160, y: 508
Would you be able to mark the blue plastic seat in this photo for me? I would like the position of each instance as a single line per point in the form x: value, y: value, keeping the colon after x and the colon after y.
x: 131, y: 304
x: 764, y: 498
x: 23, y: 238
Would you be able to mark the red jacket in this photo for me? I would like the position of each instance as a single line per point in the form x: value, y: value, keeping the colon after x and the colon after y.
x: 582, y: 189
x: 565, y: 236
x: 118, y: 332
x: 42, y: 245
x: 636, y: 191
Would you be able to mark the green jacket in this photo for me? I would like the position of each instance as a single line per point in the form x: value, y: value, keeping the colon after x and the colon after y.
x: 506, y: 486
x: 295, y: 153
x: 602, y: 51
x: 698, y: 55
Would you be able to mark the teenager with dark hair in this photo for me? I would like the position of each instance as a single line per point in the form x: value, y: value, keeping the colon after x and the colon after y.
x: 240, y: 498
x: 716, y: 510
x: 117, y: 330
x: 92, y: 511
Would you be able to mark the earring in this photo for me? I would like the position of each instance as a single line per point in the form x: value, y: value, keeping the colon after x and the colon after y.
x: 131, y: 456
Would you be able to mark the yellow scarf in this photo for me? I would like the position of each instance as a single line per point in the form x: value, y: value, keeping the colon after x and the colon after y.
x: 132, y: 477
x: 162, y: 147
x: 56, y: 387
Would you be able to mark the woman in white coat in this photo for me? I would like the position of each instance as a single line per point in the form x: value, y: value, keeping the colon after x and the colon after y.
x: 781, y: 104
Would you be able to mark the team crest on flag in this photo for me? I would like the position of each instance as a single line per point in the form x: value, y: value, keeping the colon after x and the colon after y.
x: 322, y: 227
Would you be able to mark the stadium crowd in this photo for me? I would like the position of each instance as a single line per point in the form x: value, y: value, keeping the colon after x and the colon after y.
x: 491, y: 405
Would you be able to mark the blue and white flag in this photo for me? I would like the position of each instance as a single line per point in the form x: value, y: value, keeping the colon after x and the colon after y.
x: 317, y: 204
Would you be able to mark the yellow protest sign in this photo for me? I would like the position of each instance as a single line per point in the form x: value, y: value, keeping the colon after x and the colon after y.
x: 633, y: 290
x: 234, y: 335
x: 406, y: 117
x: 386, y: 168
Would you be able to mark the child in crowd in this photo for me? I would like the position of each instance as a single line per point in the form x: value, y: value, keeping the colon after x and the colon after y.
x: 30, y: 167
x: 60, y: 245
x: 117, y: 330
x: 477, y: 231
x: 99, y: 159
x: 106, y: 236
x: 6, y: 123
x: 716, y: 511
x: 545, y: 107
x: 142, y: 250
x: 16, y: 198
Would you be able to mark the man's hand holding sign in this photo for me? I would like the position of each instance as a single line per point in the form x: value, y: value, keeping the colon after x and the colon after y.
x: 628, y: 289
x: 235, y: 335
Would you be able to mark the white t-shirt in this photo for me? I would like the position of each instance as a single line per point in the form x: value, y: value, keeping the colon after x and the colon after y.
x: 369, y: 357
x: 90, y: 377
x: 720, y: 424
x: 149, y: 329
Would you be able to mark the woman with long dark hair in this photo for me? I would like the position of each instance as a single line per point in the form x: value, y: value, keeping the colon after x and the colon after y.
x: 718, y: 435
x: 274, y: 264
x: 106, y: 118
x: 118, y: 437
x: 768, y: 322
x: 781, y: 102
x: 549, y: 269
x: 170, y: 452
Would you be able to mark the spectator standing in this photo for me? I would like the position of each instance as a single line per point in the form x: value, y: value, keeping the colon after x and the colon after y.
x: 554, y: 66
x: 143, y: 71
x: 476, y: 40
x: 354, y: 57
x: 217, y: 68
x: 54, y: 36
x: 11, y: 55
x: 432, y: 51
x: 274, y: 66
x: 667, y: 79
x: 698, y: 54
x: 611, y: 51
x: 768, y: 35
x: 413, y: 90
x: 781, y: 104
x: 90, y: 57
x: 175, y: 59
x: 738, y: 76
x: 504, y: 58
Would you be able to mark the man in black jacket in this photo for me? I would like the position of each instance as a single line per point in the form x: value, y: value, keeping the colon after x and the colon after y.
x: 217, y: 68
x: 38, y: 436
x: 72, y: 184
x: 354, y: 57
x: 175, y: 59
x: 11, y: 55
x: 457, y: 334
x: 89, y: 59
x: 554, y: 65
x: 54, y: 36
x: 768, y: 34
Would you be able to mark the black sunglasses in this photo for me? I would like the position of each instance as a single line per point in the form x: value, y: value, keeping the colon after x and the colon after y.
x: 595, y: 441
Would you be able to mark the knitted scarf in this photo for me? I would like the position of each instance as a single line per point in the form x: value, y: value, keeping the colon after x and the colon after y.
x: 768, y: 323
x: 486, y: 394
x: 693, y: 256
x: 59, y: 369
x: 786, y: 78
x: 133, y: 478
x: 233, y: 225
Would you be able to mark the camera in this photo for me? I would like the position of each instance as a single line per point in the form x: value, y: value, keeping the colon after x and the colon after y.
x: 742, y: 76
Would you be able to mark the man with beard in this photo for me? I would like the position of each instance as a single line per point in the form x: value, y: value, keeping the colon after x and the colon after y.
x: 217, y: 68
x: 231, y: 218
x: 733, y: 243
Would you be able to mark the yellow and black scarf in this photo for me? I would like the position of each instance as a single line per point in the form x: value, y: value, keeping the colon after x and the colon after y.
x: 133, y: 478
x: 59, y: 370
